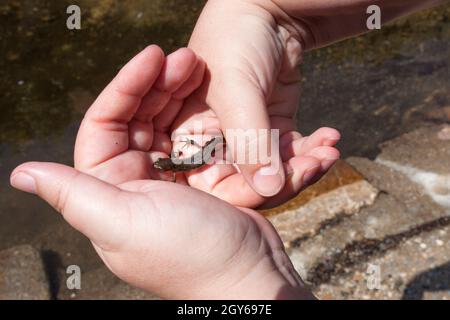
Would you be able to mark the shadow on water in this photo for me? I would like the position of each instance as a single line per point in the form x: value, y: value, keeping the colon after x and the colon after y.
x: 433, y: 280
x: 52, y: 263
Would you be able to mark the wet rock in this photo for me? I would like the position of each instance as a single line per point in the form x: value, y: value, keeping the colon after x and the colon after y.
x: 412, y: 203
x: 22, y: 275
x: 444, y: 134
x: 404, y: 273
x: 101, y: 284
x: 422, y: 156
x: 342, y: 191
x: 404, y: 232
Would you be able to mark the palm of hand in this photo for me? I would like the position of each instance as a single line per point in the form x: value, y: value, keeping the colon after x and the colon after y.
x: 127, y: 127
x: 124, y: 131
x: 175, y: 241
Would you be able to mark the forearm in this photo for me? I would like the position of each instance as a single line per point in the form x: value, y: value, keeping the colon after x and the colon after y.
x: 333, y: 7
x: 321, y: 22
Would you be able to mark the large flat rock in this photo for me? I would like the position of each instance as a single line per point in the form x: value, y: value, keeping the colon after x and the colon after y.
x: 416, y: 268
x: 424, y: 157
x: 404, y: 232
x: 22, y: 275
x: 341, y: 192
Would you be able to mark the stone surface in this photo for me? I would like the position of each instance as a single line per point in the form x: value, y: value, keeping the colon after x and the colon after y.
x: 22, y: 275
x: 404, y: 232
x: 342, y: 191
x: 419, y: 268
x: 421, y: 149
x: 62, y: 245
x: 101, y: 284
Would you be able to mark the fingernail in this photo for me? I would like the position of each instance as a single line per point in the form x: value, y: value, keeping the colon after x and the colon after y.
x: 267, y: 184
x: 309, y: 174
x: 24, y: 182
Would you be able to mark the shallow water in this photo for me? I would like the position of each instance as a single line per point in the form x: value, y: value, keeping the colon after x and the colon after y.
x: 50, y: 75
x: 371, y: 88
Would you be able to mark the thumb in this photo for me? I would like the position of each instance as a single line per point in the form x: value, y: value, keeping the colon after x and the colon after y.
x: 91, y: 206
x: 241, y: 108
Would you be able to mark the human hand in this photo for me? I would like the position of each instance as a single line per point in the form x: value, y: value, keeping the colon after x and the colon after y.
x: 305, y: 159
x: 167, y: 238
x: 252, y: 82
x: 252, y: 49
x: 170, y: 239
x: 128, y: 127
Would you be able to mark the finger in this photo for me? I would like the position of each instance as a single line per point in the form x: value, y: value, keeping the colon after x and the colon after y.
x: 162, y: 142
x: 164, y: 120
x: 195, y: 118
x: 240, y: 104
x: 104, y: 131
x: 220, y: 179
x: 141, y: 135
x: 208, y: 177
x: 300, y: 172
x: 194, y: 69
x: 193, y: 82
x: 177, y: 69
x: 93, y: 207
x: 284, y: 124
x: 121, y: 98
x: 320, y: 137
x: 297, y: 147
x: 326, y: 155
x: 152, y: 104
x: 323, y: 136
x: 286, y: 147
x: 180, y: 178
x: 230, y: 187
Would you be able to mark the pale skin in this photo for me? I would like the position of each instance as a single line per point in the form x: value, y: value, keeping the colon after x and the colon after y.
x: 253, y: 49
x: 174, y: 239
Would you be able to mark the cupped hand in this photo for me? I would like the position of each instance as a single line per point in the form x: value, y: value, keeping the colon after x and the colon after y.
x: 164, y: 237
x: 304, y: 158
x: 169, y: 239
x: 128, y: 127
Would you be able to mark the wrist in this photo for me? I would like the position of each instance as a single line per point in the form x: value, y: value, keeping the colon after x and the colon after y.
x: 274, y: 285
x: 270, y: 278
x: 298, y: 29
